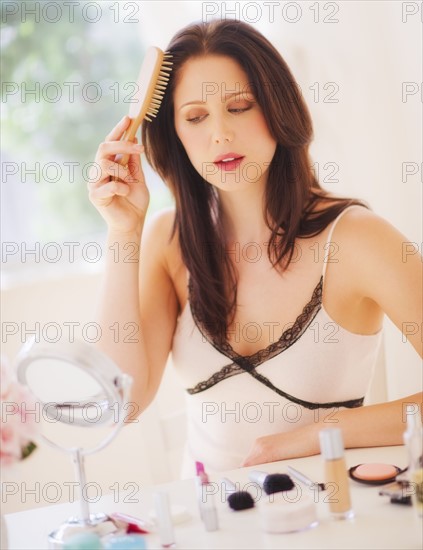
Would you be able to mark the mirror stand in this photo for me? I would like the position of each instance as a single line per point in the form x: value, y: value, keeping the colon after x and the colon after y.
x: 100, y: 524
x: 68, y: 380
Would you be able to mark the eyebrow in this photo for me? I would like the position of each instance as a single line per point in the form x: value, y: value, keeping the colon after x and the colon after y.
x: 197, y: 101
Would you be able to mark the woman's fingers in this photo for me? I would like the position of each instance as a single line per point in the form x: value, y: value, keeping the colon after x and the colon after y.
x: 109, y: 149
x: 110, y: 181
x: 104, y: 194
x: 119, y: 129
x: 136, y: 173
x: 102, y: 172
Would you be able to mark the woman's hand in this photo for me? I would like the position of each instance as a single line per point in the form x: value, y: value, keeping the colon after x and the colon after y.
x: 119, y: 192
x: 270, y: 448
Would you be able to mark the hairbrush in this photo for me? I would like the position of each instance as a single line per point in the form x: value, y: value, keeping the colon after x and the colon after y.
x: 151, y: 86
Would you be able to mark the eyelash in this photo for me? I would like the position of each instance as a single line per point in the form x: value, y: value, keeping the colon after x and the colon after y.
x: 198, y: 119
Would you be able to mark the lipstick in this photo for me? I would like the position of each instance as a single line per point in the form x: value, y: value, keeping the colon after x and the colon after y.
x: 206, y: 505
x: 201, y: 473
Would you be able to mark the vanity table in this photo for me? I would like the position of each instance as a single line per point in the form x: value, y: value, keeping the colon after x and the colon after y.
x: 377, y: 524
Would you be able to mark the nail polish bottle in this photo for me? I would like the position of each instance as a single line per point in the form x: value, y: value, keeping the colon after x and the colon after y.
x: 336, y: 476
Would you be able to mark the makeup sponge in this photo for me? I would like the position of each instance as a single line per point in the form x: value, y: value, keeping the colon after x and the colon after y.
x: 241, y: 500
x: 274, y: 483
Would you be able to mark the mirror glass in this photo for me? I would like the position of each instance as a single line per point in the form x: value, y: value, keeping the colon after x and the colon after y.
x: 74, y: 383
x: 57, y: 380
x: 68, y: 393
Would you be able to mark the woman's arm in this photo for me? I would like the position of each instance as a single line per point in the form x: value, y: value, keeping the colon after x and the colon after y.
x: 369, y: 426
x: 388, y: 269
x: 137, y: 306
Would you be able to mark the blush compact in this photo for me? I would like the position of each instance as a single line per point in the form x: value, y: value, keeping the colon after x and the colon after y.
x: 374, y: 473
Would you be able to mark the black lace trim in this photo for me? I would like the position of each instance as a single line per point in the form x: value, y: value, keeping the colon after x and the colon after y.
x: 287, y: 339
x: 249, y: 363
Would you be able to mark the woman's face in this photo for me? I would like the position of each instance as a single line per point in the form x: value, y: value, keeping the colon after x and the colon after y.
x: 218, y: 118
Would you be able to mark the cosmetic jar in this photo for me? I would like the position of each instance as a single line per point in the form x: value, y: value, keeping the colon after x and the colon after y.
x: 284, y: 512
x: 125, y: 542
x: 83, y: 541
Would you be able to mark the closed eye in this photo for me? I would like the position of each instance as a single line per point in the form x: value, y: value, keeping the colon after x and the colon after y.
x: 197, y: 119
x: 239, y: 110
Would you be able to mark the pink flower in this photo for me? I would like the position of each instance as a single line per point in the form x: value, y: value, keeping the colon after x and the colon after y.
x: 18, y: 426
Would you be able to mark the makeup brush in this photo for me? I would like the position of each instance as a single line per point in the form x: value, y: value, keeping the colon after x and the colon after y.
x: 272, y: 483
x: 306, y: 480
x: 237, y: 500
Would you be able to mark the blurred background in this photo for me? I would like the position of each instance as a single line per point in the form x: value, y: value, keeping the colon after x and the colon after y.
x: 68, y: 76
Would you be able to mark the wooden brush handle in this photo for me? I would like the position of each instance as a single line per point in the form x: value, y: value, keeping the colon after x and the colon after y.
x: 129, y: 135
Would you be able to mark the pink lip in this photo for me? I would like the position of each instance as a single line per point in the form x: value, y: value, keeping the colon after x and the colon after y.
x: 230, y: 165
x: 227, y: 156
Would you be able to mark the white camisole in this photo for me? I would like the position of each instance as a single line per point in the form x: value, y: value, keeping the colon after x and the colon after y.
x: 314, y: 368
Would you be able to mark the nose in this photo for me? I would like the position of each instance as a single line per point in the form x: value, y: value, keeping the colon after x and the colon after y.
x: 222, y: 132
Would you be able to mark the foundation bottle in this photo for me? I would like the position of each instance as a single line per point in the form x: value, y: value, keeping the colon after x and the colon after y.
x: 413, y: 439
x: 336, y: 477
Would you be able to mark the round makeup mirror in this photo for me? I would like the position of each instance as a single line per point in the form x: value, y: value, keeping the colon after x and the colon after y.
x: 76, y: 384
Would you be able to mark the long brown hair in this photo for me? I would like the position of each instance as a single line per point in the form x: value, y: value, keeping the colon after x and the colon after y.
x: 292, y: 190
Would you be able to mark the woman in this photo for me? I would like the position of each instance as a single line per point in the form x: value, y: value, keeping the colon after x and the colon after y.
x: 269, y: 292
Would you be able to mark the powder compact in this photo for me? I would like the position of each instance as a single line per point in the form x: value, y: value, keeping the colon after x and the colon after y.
x: 374, y: 473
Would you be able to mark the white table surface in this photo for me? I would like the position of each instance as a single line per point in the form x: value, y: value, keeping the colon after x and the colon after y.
x: 377, y: 522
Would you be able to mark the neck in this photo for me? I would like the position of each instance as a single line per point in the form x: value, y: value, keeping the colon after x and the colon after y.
x: 243, y: 215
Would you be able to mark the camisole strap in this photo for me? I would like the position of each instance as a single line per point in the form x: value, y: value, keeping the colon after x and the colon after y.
x: 331, y: 250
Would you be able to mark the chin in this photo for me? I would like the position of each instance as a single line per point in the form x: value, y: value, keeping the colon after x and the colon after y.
x: 236, y: 187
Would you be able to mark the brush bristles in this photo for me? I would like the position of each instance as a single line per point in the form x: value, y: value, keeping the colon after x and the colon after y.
x: 277, y: 482
x: 160, y: 87
x: 241, y: 500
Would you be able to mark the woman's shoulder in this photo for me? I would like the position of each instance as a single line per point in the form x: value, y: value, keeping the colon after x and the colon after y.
x: 161, y: 220
x: 157, y: 236
x: 159, y: 227
x: 362, y: 236
x: 353, y: 219
x: 367, y: 242
x: 163, y: 242
x: 357, y: 223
